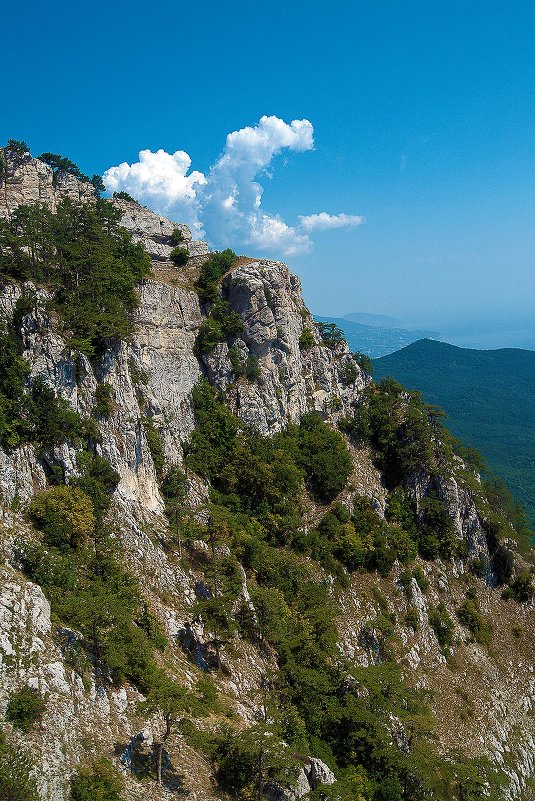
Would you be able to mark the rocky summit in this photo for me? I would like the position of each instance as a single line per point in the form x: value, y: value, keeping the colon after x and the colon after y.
x: 232, y: 565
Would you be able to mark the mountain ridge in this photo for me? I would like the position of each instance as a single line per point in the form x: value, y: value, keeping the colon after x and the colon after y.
x: 488, y: 396
x: 280, y: 572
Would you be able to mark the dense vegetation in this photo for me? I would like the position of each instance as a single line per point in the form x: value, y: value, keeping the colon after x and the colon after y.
x: 85, y: 259
x: 25, y: 708
x: 489, y: 398
x: 316, y: 703
x: 409, y: 440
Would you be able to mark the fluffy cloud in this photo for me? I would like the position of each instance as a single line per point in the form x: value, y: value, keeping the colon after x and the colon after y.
x: 226, y: 204
x: 324, y: 221
x: 160, y: 180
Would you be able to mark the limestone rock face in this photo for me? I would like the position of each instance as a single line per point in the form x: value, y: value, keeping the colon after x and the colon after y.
x: 155, y: 231
x: 317, y: 772
x: 30, y: 655
x: 312, y: 775
x: 151, y: 379
x: 291, y: 381
x: 31, y: 181
x: 462, y: 510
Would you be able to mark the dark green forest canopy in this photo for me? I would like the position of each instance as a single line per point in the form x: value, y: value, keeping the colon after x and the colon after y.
x: 489, y: 397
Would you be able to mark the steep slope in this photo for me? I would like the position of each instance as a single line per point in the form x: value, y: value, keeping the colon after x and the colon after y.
x: 489, y: 396
x: 271, y: 555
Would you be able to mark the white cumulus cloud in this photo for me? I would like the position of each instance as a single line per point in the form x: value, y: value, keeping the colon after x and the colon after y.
x: 160, y: 180
x: 226, y: 204
x: 324, y: 221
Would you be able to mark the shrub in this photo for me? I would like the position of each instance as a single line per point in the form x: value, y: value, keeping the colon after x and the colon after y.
x: 122, y: 195
x: 212, y: 270
x: 16, y: 783
x: 421, y: 579
x: 324, y: 456
x: 65, y: 516
x: 155, y: 443
x: 137, y: 374
x: 521, y: 589
x: 98, y: 480
x: 364, y: 362
x: 176, y: 237
x: 104, y: 395
x: 179, y: 256
x: 223, y: 322
x: 306, y: 340
x: 442, y: 625
x: 53, y: 419
x: 230, y: 321
x: 349, y: 372
x: 252, y: 368
x: 210, y: 334
x: 436, y: 532
x: 100, y: 782
x: 412, y: 618
x: 175, y: 485
x: 470, y: 616
x: 25, y: 708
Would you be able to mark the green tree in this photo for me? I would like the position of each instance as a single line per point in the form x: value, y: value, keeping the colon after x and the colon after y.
x: 179, y: 256
x: 98, y: 184
x: 172, y: 701
x: 324, y: 456
x: 442, y: 624
x: 65, y: 516
x: 248, y: 759
x: 306, y: 340
x: 364, y: 362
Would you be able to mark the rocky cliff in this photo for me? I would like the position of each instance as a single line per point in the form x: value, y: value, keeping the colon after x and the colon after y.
x: 482, y: 693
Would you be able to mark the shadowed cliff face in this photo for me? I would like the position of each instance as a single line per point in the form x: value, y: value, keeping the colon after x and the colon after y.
x: 152, y: 377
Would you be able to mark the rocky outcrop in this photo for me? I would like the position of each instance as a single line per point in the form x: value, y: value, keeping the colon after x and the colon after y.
x: 462, y: 510
x: 155, y: 231
x: 151, y: 378
x: 291, y: 380
x: 77, y: 710
x: 312, y: 775
x: 26, y: 181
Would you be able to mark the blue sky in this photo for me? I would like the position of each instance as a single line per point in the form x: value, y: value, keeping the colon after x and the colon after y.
x: 423, y: 122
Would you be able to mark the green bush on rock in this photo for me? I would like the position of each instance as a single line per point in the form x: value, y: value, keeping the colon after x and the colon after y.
x: 25, y: 708
x: 98, y: 782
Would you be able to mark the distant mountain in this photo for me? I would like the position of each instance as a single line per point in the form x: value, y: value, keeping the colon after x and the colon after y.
x: 382, y: 321
x: 489, y: 396
x: 375, y: 320
x: 374, y: 340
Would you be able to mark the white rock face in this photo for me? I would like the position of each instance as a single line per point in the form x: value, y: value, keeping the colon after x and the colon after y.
x: 31, y: 181
x: 292, y: 381
x: 30, y: 656
x: 155, y: 231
